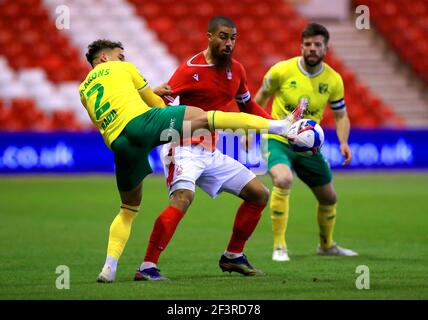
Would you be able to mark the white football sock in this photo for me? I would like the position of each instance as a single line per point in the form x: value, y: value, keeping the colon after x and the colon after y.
x: 147, y: 265
x: 279, y: 126
x: 232, y: 255
x: 112, y: 263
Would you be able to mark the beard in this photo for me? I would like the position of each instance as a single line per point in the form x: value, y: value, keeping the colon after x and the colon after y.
x: 221, y: 59
x: 313, y: 64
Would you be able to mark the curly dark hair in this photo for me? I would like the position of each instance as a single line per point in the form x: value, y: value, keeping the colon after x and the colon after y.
x: 98, y: 45
x: 316, y: 29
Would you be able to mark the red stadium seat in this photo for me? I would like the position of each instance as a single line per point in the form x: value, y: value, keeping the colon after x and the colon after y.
x: 24, y: 24
x: 64, y: 120
x: 405, y: 26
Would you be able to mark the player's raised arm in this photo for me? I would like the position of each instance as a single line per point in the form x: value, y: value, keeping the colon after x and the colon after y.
x: 143, y: 87
x: 269, y: 86
x: 262, y: 97
x: 163, y: 89
x: 151, y: 98
x: 253, y: 108
x: 244, y: 100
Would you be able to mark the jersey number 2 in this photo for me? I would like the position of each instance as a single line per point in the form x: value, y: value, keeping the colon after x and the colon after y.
x: 99, y: 110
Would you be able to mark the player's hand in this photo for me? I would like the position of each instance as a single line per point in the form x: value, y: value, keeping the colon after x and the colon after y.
x: 246, y: 141
x: 163, y: 89
x: 346, y: 153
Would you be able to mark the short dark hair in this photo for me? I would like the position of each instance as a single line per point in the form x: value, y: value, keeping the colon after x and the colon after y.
x: 316, y: 29
x: 95, y: 47
x: 217, y: 21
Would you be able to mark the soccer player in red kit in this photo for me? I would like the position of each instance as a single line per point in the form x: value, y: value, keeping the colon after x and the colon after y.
x: 210, y: 78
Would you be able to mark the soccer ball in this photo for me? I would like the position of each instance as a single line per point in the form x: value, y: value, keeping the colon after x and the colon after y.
x: 306, y: 136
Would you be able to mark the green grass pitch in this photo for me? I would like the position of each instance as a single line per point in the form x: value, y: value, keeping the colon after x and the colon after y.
x: 52, y: 221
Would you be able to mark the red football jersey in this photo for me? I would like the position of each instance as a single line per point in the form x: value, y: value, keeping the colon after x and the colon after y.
x: 203, y: 85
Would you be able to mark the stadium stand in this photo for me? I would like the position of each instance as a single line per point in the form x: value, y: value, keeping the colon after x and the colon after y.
x: 391, y: 18
x: 156, y: 40
x: 26, y: 24
x: 117, y: 20
x: 259, y: 45
x: 34, y: 73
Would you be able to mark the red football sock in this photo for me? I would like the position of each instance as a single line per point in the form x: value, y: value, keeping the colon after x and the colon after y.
x: 162, y: 233
x: 246, y: 220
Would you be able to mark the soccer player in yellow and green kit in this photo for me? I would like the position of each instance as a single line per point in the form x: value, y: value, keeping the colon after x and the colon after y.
x: 306, y: 76
x: 132, y: 121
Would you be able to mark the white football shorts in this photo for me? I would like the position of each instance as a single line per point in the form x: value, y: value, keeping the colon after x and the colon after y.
x: 214, y: 172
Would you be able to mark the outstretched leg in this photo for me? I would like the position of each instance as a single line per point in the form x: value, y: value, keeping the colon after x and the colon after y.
x: 213, y: 120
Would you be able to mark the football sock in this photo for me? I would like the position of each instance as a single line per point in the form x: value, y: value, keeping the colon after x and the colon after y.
x: 326, y: 222
x: 147, y: 265
x: 162, y: 233
x: 112, y: 263
x: 232, y: 255
x: 279, y: 207
x: 245, y: 121
x: 120, y: 230
x: 246, y: 220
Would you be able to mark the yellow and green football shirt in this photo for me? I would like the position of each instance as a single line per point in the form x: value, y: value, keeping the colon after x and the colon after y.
x: 288, y: 82
x: 110, y: 95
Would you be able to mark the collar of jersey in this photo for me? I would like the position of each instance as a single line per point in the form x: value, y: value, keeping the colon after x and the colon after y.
x: 190, y: 64
x: 310, y: 75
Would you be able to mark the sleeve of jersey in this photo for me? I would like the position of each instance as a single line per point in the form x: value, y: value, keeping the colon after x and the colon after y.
x: 139, y: 81
x: 244, y: 101
x: 253, y: 108
x: 178, y: 84
x: 271, y: 80
x: 337, y: 98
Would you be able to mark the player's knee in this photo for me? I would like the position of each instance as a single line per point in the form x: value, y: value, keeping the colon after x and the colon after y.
x: 259, y: 195
x: 133, y: 197
x: 181, y: 199
x: 255, y: 192
x: 282, y: 181
x: 203, y: 120
x: 197, y: 116
x: 263, y: 195
x: 328, y: 199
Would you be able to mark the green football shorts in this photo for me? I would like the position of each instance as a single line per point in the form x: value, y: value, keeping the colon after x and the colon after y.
x: 140, y: 136
x: 313, y: 170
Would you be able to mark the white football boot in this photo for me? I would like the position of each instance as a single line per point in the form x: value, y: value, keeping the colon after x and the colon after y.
x: 106, y: 275
x: 335, y: 250
x: 294, y: 116
x: 280, y: 254
x: 298, y: 112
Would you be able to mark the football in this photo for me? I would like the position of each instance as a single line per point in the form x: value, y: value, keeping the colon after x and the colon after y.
x: 306, y: 136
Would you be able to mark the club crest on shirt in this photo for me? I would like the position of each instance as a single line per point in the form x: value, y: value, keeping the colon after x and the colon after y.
x: 323, y: 87
x: 196, y: 76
